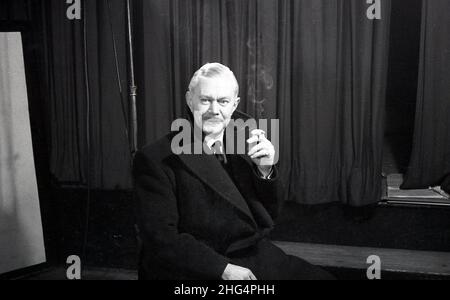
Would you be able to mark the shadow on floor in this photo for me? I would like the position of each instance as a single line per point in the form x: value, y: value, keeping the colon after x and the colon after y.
x: 87, y: 274
x: 117, y: 274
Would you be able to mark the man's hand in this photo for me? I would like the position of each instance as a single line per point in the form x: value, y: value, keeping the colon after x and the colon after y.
x: 262, y: 151
x: 233, y: 272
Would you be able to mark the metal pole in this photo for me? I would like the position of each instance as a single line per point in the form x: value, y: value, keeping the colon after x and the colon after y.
x: 133, y: 87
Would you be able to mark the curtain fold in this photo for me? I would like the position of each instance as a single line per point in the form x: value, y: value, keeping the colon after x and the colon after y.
x: 430, y: 159
x: 109, y: 166
x: 18, y: 10
x: 318, y: 66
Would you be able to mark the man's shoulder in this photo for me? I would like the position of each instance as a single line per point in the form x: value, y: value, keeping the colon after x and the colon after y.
x: 160, y: 149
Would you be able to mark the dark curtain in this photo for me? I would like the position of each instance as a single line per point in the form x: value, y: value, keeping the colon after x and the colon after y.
x: 15, y: 11
x: 108, y: 163
x: 318, y: 66
x: 430, y: 160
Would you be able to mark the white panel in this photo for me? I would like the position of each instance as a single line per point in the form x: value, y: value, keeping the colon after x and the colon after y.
x: 21, y: 237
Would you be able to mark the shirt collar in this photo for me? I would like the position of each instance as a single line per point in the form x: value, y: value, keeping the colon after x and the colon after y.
x: 210, y: 141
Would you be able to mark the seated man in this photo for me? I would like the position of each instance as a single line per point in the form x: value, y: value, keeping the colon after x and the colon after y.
x: 206, y: 216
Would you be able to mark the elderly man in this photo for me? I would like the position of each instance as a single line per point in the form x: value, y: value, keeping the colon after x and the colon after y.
x: 205, y: 216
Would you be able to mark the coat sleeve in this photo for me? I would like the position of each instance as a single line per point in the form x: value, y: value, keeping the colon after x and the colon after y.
x: 270, y: 192
x: 158, y: 219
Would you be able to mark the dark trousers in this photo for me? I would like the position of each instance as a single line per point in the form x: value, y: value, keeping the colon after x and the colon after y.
x: 265, y: 260
x: 268, y: 262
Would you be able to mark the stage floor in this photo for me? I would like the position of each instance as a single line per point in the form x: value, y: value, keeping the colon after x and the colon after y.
x: 59, y: 273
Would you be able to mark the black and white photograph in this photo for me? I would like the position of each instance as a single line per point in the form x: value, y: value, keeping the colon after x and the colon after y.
x: 209, y: 142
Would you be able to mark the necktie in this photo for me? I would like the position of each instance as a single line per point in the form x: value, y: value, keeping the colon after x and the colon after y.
x: 218, y: 152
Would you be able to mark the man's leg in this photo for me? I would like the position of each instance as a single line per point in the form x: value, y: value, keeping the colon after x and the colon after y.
x: 268, y: 262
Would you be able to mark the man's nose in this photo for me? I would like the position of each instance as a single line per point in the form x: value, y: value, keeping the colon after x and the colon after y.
x: 214, y: 108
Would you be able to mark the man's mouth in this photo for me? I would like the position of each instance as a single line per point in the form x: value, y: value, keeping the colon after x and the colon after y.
x: 213, y: 121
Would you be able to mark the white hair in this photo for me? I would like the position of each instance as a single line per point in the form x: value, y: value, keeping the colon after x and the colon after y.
x: 212, y: 70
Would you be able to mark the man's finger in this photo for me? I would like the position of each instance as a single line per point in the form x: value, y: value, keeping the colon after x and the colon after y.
x: 257, y: 139
x: 253, y: 139
x: 256, y: 149
x: 263, y: 138
x: 260, y: 154
x: 264, y: 145
x: 258, y: 132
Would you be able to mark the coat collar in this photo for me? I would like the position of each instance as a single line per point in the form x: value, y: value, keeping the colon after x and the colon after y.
x: 209, y: 170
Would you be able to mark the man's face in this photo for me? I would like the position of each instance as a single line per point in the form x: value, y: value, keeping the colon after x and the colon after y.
x: 213, y: 102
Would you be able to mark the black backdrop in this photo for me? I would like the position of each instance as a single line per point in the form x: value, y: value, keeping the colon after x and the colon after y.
x: 397, y: 228
x: 430, y: 160
x: 318, y: 66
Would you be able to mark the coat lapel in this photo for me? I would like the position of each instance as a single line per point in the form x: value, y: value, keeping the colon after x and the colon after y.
x: 240, y: 165
x: 209, y: 170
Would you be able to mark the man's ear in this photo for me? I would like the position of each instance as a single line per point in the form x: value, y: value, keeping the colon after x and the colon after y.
x: 236, y: 103
x: 189, y: 100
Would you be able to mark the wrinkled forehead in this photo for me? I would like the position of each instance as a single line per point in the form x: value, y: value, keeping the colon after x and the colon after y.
x: 217, y: 87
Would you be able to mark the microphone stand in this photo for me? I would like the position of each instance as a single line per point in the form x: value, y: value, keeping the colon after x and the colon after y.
x: 133, y: 87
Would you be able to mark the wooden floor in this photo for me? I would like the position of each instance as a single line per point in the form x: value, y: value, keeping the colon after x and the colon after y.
x: 340, y: 257
x: 87, y: 274
x: 392, y: 260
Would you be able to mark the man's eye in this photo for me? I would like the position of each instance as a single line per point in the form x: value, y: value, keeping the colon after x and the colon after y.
x: 204, y: 100
x: 224, y: 102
